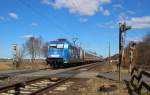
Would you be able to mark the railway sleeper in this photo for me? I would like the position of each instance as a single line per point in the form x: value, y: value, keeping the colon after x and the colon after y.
x: 35, y: 86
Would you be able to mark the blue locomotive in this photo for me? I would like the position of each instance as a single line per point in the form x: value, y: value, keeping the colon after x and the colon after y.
x: 62, y: 53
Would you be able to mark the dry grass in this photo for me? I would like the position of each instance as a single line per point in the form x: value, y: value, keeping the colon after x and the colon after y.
x: 91, y: 86
x: 25, y: 64
x: 6, y: 65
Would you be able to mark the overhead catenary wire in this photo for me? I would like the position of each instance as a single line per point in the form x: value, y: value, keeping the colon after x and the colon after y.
x: 34, y: 10
x: 44, y: 17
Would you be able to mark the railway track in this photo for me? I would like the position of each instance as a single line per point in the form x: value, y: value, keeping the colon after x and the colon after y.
x: 7, y: 75
x: 42, y: 85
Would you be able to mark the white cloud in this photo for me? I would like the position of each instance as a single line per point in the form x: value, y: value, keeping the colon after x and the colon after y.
x: 104, y: 11
x: 134, y: 22
x: 83, y: 19
x: 13, y: 15
x: 27, y: 36
x: 135, y: 39
x: 118, y: 6
x: 130, y: 12
x: 47, y: 2
x: 110, y: 24
x: 34, y: 24
x: 122, y: 17
x: 2, y: 18
x: 81, y: 7
x: 139, y: 22
x: 125, y: 16
x: 105, y: 1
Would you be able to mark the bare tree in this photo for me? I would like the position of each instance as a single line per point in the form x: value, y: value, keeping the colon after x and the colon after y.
x: 143, y: 51
x: 34, y: 45
x: 44, y: 49
x: 30, y: 47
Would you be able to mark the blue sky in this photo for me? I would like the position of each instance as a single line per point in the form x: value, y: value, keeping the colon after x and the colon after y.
x: 93, y: 22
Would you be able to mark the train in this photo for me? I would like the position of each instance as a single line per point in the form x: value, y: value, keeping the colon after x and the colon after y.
x: 61, y: 52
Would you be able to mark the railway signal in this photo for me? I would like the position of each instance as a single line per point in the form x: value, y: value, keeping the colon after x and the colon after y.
x: 15, y: 52
x: 14, y: 48
x: 122, y: 29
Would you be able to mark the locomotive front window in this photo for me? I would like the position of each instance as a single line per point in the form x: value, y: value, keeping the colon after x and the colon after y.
x: 53, y: 46
x: 60, y: 45
x: 56, y: 46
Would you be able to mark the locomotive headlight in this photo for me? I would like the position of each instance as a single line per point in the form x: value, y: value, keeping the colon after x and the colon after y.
x: 65, y: 45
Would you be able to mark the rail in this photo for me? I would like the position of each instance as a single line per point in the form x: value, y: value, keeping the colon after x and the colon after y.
x: 17, y: 86
x: 49, y: 87
x: 7, y: 75
x: 138, y: 82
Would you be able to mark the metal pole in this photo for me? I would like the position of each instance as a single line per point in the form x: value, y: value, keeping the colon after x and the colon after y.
x: 109, y: 52
x: 122, y: 29
x: 120, y: 51
x: 74, y: 40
